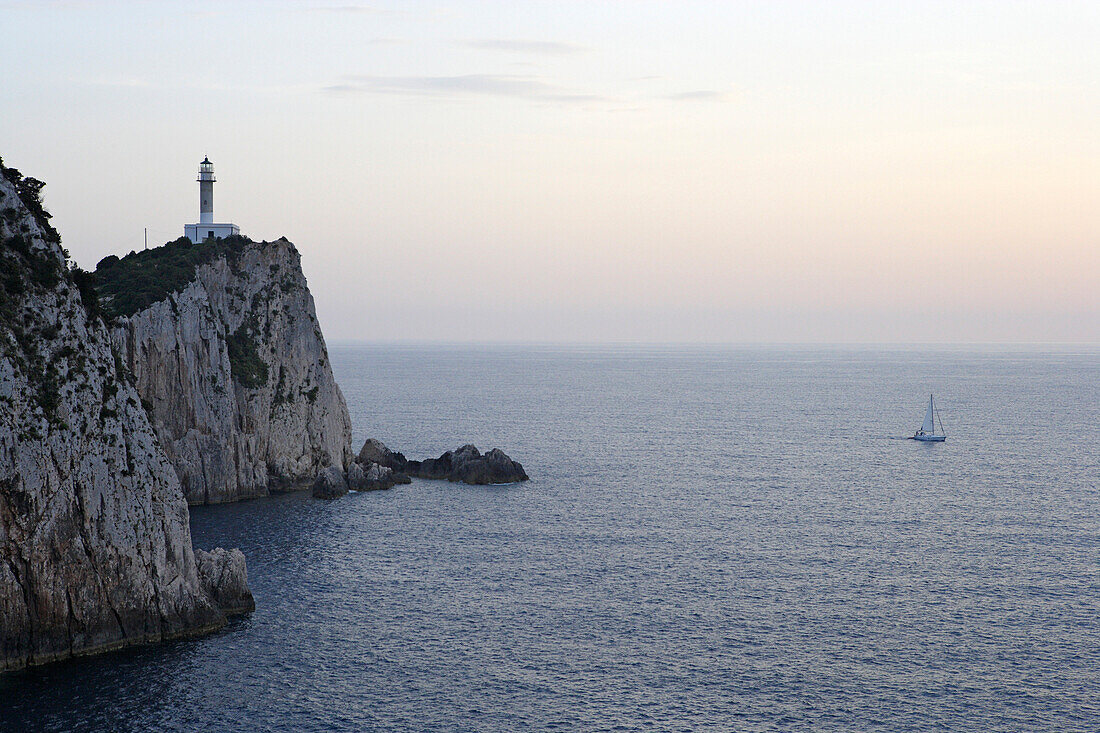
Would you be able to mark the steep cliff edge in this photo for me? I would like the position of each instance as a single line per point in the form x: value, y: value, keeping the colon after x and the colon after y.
x: 95, y: 548
x: 227, y: 355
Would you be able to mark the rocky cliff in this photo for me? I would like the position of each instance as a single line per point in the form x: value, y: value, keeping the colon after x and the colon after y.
x: 95, y: 549
x: 228, y: 358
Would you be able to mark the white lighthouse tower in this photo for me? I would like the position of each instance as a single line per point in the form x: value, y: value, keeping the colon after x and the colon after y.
x: 206, y: 228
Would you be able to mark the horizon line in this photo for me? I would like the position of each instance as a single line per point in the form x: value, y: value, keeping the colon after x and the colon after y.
x: 627, y: 343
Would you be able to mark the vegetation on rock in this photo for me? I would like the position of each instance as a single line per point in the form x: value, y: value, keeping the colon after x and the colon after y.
x: 29, y: 191
x: 244, y: 358
x: 27, y: 270
x: 133, y: 283
x: 94, y: 542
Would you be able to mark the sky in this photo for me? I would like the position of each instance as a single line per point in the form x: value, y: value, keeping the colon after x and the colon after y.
x: 571, y: 171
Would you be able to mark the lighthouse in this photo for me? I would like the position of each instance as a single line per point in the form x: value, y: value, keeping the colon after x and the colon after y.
x: 206, y: 228
x: 206, y: 191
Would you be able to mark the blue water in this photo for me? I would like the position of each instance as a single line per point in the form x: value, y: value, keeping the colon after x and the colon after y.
x: 713, y: 539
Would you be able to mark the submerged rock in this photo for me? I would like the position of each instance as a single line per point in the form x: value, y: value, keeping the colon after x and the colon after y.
x: 224, y: 577
x: 330, y: 483
x: 468, y: 465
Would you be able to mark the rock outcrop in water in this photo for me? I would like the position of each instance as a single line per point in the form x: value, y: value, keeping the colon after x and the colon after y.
x: 224, y: 577
x: 373, y: 476
x: 330, y: 484
x: 467, y: 464
x: 375, y: 451
x: 228, y: 358
x: 95, y: 547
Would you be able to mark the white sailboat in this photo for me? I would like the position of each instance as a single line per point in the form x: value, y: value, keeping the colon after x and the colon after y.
x: 927, y: 432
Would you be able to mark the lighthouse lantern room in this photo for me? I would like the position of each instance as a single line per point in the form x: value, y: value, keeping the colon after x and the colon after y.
x: 206, y: 228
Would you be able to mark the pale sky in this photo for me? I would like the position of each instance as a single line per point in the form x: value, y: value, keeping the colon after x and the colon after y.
x: 593, y: 171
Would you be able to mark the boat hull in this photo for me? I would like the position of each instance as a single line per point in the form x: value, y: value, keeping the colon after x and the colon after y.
x: 929, y: 438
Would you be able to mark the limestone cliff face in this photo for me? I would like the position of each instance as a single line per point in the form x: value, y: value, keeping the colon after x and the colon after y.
x: 95, y: 548
x: 232, y: 366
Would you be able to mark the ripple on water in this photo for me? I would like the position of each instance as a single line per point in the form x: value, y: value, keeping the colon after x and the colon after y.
x: 691, y: 554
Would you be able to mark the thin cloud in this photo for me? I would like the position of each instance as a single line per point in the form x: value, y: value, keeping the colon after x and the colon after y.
x: 126, y: 82
x: 697, y: 95
x: 468, y: 85
x: 35, y: 4
x: 137, y: 83
x: 516, y: 45
x: 346, y: 9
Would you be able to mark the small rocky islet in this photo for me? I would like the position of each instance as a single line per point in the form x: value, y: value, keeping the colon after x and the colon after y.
x: 377, y: 467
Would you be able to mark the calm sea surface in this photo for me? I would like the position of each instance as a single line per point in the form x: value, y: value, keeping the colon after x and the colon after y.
x: 713, y: 539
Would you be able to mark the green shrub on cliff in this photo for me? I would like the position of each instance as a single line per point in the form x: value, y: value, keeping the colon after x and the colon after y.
x: 28, y: 272
x: 244, y: 358
x: 133, y: 283
x: 29, y: 191
x: 85, y: 283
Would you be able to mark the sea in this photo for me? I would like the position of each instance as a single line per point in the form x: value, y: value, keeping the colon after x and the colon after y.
x: 714, y: 538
